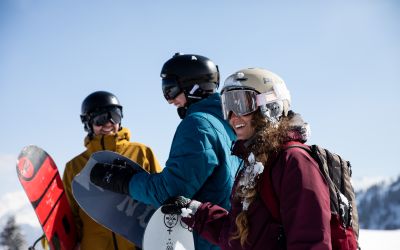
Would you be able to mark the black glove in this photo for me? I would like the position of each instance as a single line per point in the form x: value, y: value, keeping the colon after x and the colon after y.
x: 114, y: 177
x: 174, y: 205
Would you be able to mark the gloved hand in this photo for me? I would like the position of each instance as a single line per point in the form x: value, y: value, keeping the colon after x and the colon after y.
x: 114, y: 177
x: 174, y: 205
x: 181, y: 206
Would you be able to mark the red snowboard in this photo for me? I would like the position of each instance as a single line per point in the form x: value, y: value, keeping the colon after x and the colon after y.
x: 41, y: 181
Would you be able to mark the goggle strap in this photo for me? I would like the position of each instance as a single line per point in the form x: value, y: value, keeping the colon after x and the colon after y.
x: 195, y: 87
x: 265, y: 98
x: 279, y: 92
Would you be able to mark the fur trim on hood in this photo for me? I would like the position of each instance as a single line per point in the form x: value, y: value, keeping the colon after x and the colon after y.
x: 299, y: 129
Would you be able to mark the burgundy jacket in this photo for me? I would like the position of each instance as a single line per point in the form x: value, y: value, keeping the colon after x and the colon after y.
x: 304, y: 209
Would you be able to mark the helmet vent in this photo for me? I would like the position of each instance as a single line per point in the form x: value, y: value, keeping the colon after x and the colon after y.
x: 267, y: 80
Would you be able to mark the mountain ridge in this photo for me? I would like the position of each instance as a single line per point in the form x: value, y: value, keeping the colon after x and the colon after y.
x: 379, y: 205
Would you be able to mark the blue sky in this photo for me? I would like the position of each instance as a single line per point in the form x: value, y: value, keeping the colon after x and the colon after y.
x: 339, y: 59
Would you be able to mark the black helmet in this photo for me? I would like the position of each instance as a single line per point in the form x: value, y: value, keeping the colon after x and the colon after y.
x: 97, y: 103
x: 195, y: 75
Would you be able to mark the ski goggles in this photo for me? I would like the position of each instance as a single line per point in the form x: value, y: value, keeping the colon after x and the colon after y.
x: 113, y: 115
x: 241, y: 102
x: 170, y: 88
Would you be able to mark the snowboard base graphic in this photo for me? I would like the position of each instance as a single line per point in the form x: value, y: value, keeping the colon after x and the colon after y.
x: 117, y: 212
x: 41, y: 181
x: 167, y: 231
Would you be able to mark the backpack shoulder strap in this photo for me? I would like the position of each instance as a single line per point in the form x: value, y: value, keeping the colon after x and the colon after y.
x: 324, y: 159
x: 268, y: 196
x: 267, y: 193
x: 303, y: 146
x: 320, y: 155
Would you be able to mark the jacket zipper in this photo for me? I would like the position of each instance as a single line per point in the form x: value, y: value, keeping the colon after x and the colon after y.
x: 102, y: 143
x: 113, y: 234
x: 115, y: 241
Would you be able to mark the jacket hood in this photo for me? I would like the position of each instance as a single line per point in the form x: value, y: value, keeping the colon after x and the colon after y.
x: 299, y: 129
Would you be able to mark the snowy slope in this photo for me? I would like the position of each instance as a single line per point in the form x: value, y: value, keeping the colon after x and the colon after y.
x: 379, y: 239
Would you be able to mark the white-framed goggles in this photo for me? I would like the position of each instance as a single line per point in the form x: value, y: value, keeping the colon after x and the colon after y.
x: 240, y: 101
x: 245, y: 101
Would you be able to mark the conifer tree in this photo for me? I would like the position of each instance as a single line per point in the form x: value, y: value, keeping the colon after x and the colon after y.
x: 11, y: 237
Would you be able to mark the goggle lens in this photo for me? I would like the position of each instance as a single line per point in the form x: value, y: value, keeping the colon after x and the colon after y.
x: 170, y: 88
x: 240, y: 102
x: 114, y: 116
x: 172, y: 93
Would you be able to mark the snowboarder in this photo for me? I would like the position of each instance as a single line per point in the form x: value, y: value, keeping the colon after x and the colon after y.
x: 200, y: 164
x: 101, y: 115
x: 256, y: 103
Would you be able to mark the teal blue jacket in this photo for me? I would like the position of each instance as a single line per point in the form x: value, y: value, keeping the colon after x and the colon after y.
x: 200, y: 165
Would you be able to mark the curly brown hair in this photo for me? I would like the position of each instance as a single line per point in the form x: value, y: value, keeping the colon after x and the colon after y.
x: 268, y: 140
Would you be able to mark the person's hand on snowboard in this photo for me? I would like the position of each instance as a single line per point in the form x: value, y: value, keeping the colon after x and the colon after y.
x: 112, y: 176
x: 181, y: 206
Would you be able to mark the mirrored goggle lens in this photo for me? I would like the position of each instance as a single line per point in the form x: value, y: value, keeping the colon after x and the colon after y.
x: 114, y: 116
x: 241, y: 102
x: 170, y: 89
x: 172, y: 93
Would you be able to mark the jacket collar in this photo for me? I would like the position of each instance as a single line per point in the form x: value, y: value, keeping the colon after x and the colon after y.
x: 108, y: 142
x: 211, y: 104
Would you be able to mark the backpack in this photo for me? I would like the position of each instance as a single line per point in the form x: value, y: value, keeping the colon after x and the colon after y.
x: 344, y: 216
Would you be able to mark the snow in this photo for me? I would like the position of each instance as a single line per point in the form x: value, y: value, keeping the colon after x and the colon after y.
x: 379, y: 239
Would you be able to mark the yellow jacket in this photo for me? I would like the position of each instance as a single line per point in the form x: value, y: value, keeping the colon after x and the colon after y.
x: 91, y: 234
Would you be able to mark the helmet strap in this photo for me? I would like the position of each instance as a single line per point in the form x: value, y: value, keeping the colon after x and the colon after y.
x: 90, y: 135
x: 193, y: 95
x: 196, y: 93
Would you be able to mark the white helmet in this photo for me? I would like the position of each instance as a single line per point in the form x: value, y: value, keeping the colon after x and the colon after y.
x: 247, y: 89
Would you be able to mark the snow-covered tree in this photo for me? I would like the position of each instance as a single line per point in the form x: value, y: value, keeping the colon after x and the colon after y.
x: 11, y: 237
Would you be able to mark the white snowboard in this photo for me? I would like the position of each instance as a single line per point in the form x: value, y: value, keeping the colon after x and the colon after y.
x: 165, y: 231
